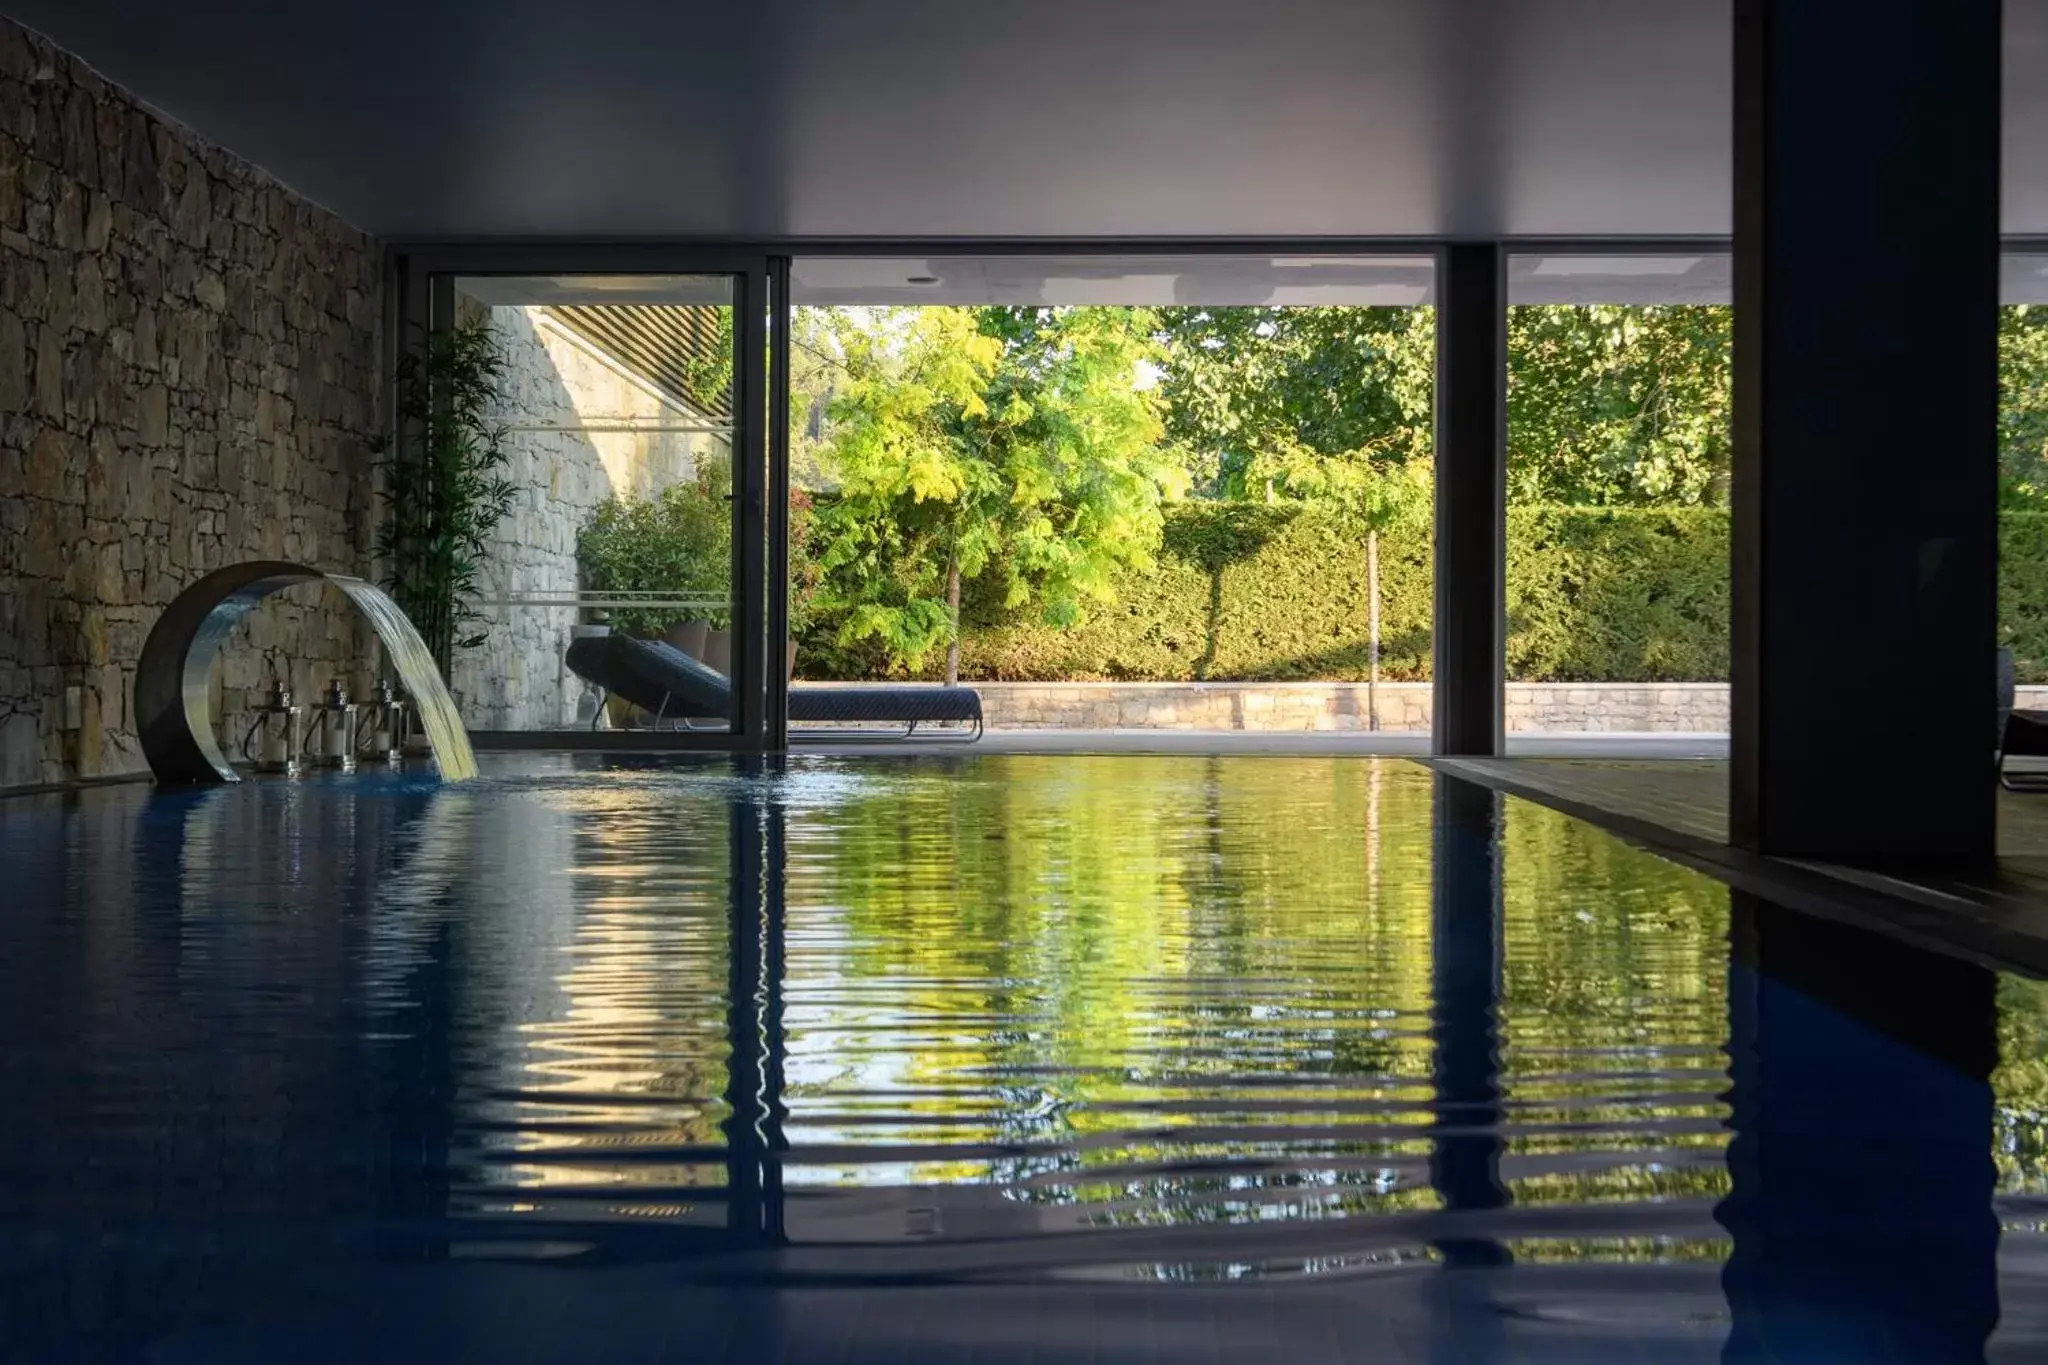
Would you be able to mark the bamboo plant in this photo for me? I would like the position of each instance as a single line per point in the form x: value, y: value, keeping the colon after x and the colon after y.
x: 445, y: 485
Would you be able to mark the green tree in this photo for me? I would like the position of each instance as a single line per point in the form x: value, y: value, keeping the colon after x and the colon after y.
x: 1619, y: 404
x: 969, y: 442
x: 2023, y: 406
x: 677, y: 541
x: 1265, y: 395
x: 1327, y: 405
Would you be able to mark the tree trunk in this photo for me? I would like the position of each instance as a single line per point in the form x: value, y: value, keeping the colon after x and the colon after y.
x: 1372, y: 590
x: 953, y: 614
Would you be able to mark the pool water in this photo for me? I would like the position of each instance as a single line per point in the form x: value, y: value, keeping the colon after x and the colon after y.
x: 997, y: 1057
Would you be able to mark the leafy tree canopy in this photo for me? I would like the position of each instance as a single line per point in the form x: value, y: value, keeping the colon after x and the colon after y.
x: 2023, y: 406
x: 1037, y: 444
x: 1322, y: 404
x: 1619, y: 405
x: 964, y: 441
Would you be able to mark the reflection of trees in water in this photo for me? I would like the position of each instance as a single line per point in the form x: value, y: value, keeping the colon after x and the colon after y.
x: 1199, y: 990
x: 2020, y: 1087
x: 1614, y: 1017
x: 1186, y: 964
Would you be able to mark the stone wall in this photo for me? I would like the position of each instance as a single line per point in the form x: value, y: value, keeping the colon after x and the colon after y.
x: 516, y: 679
x: 189, y: 363
x: 1685, y: 708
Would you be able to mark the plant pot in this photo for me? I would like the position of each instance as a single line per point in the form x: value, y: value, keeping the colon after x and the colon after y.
x: 717, y: 652
x: 688, y: 636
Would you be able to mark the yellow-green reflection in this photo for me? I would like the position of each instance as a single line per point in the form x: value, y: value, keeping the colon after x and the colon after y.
x: 2020, y: 1087
x: 1124, y: 992
x: 1195, y: 989
x: 1199, y: 990
x: 1614, y: 1018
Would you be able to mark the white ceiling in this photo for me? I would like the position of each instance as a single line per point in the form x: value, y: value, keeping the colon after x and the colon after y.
x: 1207, y: 278
x: 931, y: 118
x: 1144, y: 280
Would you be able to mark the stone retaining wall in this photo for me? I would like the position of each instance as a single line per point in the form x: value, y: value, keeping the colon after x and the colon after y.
x: 189, y: 365
x: 1403, y: 707
x: 1677, y: 708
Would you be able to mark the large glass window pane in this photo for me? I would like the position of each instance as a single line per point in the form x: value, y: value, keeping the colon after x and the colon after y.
x: 1619, y: 396
x: 1133, y: 493
x: 615, y: 423
x: 2023, y: 479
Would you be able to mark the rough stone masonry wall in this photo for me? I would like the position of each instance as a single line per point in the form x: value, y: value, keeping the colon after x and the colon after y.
x: 516, y: 678
x: 188, y: 377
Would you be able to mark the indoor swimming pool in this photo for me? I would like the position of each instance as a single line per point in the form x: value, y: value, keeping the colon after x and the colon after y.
x: 1007, y: 1057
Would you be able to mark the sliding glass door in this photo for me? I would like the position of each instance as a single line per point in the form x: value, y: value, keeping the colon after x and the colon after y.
x: 606, y: 415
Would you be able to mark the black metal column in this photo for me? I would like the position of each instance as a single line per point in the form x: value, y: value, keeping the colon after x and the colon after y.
x: 1865, y: 483
x: 750, y: 521
x: 1469, y: 667
x: 778, y: 504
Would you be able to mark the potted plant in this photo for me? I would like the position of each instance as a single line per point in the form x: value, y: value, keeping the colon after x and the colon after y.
x: 678, y: 543
x: 445, y: 488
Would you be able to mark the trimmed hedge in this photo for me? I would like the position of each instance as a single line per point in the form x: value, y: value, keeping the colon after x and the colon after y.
x: 1617, y: 594
x: 1255, y: 592
x: 1238, y: 591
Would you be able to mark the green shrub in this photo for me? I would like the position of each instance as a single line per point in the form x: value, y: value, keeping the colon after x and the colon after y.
x: 677, y: 542
x: 1617, y: 594
x: 1239, y: 591
x: 1249, y: 591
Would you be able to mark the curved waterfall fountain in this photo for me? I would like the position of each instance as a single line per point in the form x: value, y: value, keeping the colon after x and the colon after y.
x: 173, y: 681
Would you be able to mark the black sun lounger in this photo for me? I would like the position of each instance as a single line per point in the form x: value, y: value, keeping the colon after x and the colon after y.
x: 2021, y: 734
x: 2026, y: 736
x: 660, y: 678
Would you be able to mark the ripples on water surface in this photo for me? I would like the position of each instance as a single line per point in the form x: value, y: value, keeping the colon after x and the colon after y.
x: 994, y: 1020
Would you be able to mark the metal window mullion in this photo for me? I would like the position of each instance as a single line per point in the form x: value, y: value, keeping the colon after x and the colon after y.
x: 777, y: 418
x: 749, y: 527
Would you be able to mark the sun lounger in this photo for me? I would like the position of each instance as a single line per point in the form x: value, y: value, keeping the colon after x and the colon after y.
x: 678, y: 689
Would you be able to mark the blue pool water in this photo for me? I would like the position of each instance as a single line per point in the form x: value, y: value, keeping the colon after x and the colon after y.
x: 983, y: 1058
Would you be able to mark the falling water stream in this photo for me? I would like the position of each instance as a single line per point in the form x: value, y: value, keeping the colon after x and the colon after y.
x: 409, y: 655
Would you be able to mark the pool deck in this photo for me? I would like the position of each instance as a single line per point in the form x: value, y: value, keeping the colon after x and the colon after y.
x: 1679, y: 808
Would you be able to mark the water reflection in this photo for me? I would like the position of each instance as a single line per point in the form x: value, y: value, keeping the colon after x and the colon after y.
x: 1465, y: 948
x: 1265, y: 1024
x: 1466, y: 1135
x: 1861, y: 1205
